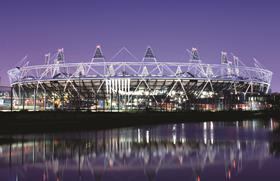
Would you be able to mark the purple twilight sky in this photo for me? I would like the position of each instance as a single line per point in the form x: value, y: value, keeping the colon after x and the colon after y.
x: 246, y: 28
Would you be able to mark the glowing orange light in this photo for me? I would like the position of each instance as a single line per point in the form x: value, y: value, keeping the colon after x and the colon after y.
x: 234, y: 164
x: 229, y: 174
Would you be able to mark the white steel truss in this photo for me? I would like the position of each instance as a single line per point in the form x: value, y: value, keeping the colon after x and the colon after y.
x: 157, y: 77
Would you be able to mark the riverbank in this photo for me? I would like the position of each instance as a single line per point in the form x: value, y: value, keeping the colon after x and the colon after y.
x: 25, y: 122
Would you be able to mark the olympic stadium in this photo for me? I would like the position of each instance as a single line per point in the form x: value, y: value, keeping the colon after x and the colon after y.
x: 119, y: 85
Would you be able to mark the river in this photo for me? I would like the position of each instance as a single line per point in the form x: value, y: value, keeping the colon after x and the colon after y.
x: 240, y: 150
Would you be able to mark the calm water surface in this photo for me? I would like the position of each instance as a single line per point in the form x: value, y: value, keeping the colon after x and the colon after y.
x: 242, y: 150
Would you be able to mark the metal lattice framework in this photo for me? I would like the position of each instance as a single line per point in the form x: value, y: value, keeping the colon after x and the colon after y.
x: 148, y: 77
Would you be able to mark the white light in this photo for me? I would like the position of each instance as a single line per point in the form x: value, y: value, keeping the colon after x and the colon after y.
x: 204, y: 125
x: 174, y: 138
x: 238, y: 144
x: 205, y: 136
x: 147, y: 136
x: 212, y: 137
x: 211, y: 125
x: 138, y: 136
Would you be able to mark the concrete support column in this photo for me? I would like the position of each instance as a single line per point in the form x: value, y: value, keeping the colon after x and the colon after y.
x: 111, y: 100
x: 118, y: 101
x: 131, y: 104
x: 19, y: 96
x: 45, y: 100
x: 23, y: 100
x: 35, y: 99
x: 12, y: 98
x: 104, y: 103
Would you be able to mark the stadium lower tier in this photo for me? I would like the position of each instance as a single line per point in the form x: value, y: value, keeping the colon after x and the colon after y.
x: 118, y: 95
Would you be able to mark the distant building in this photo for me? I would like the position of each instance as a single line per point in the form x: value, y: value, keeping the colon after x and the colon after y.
x: 274, y: 101
x: 5, y: 98
x: 147, y: 84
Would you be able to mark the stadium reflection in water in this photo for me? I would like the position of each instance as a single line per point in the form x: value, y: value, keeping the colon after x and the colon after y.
x: 193, y: 151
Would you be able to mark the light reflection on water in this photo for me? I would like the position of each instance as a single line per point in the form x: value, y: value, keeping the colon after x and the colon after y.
x: 185, y: 151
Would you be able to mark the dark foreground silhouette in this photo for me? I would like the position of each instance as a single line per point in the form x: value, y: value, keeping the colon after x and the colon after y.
x: 26, y: 122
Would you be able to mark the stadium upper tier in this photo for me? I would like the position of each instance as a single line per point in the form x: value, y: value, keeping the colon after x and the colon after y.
x: 148, y: 70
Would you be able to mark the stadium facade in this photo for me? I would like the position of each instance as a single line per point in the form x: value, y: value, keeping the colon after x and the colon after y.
x: 133, y: 85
